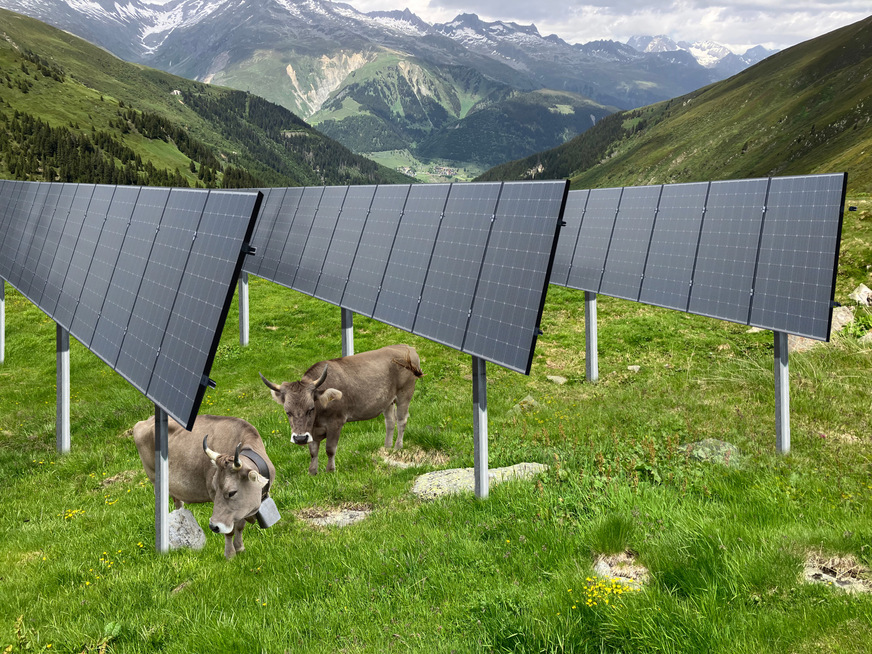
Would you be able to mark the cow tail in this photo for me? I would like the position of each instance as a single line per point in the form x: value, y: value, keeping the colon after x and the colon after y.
x: 408, y: 365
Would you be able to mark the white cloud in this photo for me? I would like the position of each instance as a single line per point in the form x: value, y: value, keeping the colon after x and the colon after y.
x: 739, y: 25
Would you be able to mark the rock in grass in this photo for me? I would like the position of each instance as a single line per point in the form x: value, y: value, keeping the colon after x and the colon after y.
x: 457, y: 480
x: 714, y: 451
x: 184, y: 531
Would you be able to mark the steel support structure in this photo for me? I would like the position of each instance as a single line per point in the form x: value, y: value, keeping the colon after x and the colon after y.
x: 479, y: 426
x: 782, y: 394
x: 243, y: 308
x: 347, y: 320
x: 161, y: 480
x: 2, y: 320
x: 62, y: 422
x: 591, y: 356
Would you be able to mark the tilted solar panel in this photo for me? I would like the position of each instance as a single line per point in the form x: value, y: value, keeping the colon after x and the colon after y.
x: 594, y: 236
x: 318, y: 242
x: 269, y: 213
x: 298, y: 235
x: 576, y: 202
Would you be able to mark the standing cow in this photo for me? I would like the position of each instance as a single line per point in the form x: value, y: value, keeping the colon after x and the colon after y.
x: 235, y: 483
x: 356, y: 387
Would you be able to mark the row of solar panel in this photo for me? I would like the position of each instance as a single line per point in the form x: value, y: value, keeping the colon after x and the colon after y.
x: 761, y: 252
x: 143, y: 277
x: 465, y: 265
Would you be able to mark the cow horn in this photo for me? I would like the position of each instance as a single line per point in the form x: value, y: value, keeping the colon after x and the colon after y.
x: 212, y: 454
x: 236, y: 464
x: 269, y: 384
x: 322, y: 377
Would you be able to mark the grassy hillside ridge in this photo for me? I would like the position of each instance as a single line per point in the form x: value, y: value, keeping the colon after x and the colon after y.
x: 85, y: 101
x: 805, y: 110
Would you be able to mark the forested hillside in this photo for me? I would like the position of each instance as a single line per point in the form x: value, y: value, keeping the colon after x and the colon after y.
x: 72, y: 112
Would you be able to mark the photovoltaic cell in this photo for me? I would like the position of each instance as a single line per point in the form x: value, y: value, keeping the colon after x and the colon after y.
x: 320, y: 235
x: 32, y: 282
x: 52, y: 239
x: 456, y: 263
x: 594, y: 235
x: 510, y: 293
x: 269, y: 212
x: 343, y: 246
x: 671, y: 257
x: 631, y: 237
x: 724, y: 272
x: 794, y: 283
x: 410, y: 255
x: 563, y: 255
x: 368, y: 269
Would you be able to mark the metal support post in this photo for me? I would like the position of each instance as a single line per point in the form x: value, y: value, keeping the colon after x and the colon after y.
x: 479, y: 426
x: 2, y: 320
x: 161, y: 481
x: 782, y: 394
x: 243, y: 309
x: 591, y: 361
x: 347, y: 332
x: 62, y: 421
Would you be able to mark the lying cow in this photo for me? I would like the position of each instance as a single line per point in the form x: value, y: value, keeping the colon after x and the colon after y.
x: 356, y: 387
x: 235, y: 483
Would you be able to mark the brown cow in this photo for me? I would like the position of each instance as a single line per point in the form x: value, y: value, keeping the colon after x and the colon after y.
x: 236, y: 483
x: 356, y: 387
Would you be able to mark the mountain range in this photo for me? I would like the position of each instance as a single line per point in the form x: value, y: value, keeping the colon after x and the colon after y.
x: 464, y: 91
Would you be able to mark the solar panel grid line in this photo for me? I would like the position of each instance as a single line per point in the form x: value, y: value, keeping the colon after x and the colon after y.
x: 406, y: 272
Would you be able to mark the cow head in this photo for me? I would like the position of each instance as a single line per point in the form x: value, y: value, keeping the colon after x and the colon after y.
x: 237, y: 487
x: 302, y: 401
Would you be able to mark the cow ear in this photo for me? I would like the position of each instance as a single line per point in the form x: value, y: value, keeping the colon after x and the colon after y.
x: 329, y: 395
x: 257, y: 478
x: 278, y: 397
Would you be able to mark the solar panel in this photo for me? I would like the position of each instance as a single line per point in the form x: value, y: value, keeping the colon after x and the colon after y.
x: 320, y: 235
x: 576, y: 202
x: 456, y: 262
x: 275, y: 243
x: 32, y: 245
x: 298, y: 235
x: 724, y: 272
x: 269, y: 213
x: 594, y: 236
x: 510, y: 293
x: 376, y: 241
x: 204, y: 294
x: 343, y: 246
x: 128, y: 274
x: 410, y: 255
x: 51, y: 241
x: 795, y: 276
x: 671, y: 256
x: 631, y: 237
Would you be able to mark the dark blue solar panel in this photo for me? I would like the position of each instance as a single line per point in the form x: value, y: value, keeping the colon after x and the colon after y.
x: 724, y: 272
x: 32, y: 277
x: 510, y: 293
x: 343, y: 246
x: 320, y: 235
x: 410, y: 255
x: 631, y: 236
x: 263, y: 229
x: 669, y: 268
x: 51, y: 241
x: 456, y: 263
x: 794, y: 283
x: 575, y: 204
x: 593, y: 239
x: 370, y: 261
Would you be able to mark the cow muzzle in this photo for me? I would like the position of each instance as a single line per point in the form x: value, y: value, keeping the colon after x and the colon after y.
x: 301, y: 439
x: 220, y: 527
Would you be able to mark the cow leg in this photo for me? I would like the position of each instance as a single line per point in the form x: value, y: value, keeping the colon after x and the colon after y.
x: 390, y: 421
x: 229, y: 550
x: 314, y: 446
x: 332, y: 443
x: 237, y: 537
x: 177, y: 504
x: 403, y: 401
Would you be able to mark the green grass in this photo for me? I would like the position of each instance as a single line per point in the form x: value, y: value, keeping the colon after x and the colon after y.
x: 725, y: 547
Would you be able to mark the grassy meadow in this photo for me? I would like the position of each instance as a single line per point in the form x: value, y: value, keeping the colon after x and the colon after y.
x: 724, y: 547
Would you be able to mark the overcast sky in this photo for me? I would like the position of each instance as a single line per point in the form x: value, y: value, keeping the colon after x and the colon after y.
x: 738, y: 25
